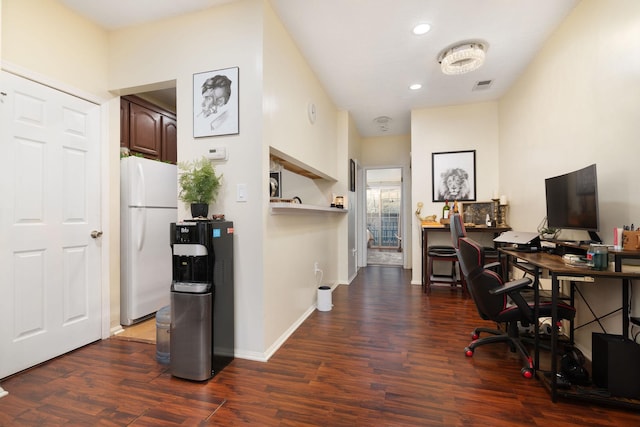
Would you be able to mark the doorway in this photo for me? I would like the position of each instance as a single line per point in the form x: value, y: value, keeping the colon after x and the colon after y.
x: 384, y: 216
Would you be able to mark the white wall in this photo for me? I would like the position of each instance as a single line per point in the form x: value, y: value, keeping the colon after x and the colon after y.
x: 457, y: 128
x: 579, y: 103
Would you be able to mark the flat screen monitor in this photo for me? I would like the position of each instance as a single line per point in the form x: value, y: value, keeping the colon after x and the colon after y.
x: 572, y: 200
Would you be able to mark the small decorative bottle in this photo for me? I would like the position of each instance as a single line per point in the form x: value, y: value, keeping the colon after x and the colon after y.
x: 455, y: 207
x: 445, y: 210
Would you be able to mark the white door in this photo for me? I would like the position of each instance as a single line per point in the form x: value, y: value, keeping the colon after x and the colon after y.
x: 50, y: 301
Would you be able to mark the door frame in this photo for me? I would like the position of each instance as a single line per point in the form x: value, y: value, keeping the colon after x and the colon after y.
x: 404, y: 209
x: 106, y: 223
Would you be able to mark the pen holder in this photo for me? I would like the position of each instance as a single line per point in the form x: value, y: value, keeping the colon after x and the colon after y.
x: 631, y: 240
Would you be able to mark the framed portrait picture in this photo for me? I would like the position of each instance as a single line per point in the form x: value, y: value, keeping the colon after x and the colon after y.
x: 352, y: 175
x: 215, y: 103
x: 454, y: 175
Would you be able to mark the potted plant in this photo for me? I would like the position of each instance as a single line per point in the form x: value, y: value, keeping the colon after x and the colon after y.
x: 199, y: 185
x: 546, y: 232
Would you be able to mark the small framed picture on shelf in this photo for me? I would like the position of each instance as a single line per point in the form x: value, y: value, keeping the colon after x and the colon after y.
x: 275, y: 188
x: 476, y: 212
x: 352, y: 175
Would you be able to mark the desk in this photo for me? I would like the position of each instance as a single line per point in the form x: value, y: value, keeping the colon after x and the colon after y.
x: 445, y: 229
x: 559, y: 271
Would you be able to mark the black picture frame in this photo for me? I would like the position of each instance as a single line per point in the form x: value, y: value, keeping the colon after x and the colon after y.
x: 216, y: 103
x: 453, y: 176
x: 352, y: 175
x: 275, y: 185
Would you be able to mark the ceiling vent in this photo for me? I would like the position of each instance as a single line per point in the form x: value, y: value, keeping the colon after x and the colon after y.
x: 483, y: 84
x: 383, y: 123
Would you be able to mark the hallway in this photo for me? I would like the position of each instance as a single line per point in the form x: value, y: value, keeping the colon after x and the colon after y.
x: 383, y: 256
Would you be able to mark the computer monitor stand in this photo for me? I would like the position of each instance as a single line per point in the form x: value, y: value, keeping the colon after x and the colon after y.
x: 594, y: 237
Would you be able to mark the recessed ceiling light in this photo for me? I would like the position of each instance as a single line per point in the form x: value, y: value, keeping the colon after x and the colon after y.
x: 415, y: 86
x: 421, y: 28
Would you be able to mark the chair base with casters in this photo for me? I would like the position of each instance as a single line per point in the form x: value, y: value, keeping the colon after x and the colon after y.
x: 510, y: 337
x: 443, y: 254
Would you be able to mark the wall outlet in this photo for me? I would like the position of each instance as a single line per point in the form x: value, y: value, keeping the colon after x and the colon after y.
x: 316, y: 267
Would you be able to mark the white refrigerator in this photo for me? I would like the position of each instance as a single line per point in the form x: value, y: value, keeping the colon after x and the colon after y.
x: 149, y: 204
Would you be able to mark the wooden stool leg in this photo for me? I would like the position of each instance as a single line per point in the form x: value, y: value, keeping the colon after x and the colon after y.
x: 427, y: 282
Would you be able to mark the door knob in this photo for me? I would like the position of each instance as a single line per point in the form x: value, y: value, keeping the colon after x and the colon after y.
x: 95, y: 234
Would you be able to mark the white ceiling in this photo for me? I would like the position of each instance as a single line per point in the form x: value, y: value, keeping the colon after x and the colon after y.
x: 365, y: 55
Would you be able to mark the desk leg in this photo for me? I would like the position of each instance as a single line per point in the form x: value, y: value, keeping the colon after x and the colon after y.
x: 554, y: 337
x: 625, y: 298
x: 424, y: 256
x: 625, y: 307
x: 536, y: 316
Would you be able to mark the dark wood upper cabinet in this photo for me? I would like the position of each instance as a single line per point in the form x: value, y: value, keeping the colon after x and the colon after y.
x: 169, y: 139
x: 148, y: 129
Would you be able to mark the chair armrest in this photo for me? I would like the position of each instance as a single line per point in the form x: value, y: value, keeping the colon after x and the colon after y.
x: 514, y: 288
x: 511, y: 286
x: 495, y: 266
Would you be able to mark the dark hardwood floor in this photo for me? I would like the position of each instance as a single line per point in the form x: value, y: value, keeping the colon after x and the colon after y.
x: 386, y: 355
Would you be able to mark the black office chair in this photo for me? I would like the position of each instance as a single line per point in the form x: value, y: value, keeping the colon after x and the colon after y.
x: 458, y: 230
x: 502, y: 303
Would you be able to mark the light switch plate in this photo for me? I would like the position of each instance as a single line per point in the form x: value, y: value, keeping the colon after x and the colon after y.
x: 241, y: 195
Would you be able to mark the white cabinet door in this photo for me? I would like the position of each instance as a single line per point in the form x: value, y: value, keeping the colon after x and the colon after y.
x: 50, y: 289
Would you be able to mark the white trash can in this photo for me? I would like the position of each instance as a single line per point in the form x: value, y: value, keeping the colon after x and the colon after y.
x: 324, y: 298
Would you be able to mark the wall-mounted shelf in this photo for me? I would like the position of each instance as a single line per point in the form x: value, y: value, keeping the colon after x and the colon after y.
x: 294, y: 165
x: 280, y: 208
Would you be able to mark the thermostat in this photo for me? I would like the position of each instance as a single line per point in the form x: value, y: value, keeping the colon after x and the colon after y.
x: 218, y: 153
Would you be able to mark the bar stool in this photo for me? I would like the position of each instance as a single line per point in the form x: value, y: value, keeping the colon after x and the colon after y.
x: 443, y: 254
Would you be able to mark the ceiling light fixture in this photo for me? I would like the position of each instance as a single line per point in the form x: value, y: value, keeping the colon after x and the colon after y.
x: 421, y: 28
x: 415, y: 86
x: 462, y: 58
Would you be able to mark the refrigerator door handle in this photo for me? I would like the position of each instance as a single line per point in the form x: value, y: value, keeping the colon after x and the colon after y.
x: 142, y: 187
x: 141, y: 228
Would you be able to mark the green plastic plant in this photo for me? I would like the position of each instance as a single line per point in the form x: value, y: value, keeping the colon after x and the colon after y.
x: 198, y: 181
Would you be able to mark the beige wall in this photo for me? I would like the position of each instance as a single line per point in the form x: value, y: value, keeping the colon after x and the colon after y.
x: 349, y: 148
x: 386, y: 150
x: 458, y: 128
x: 292, y: 243
x: 579, y: 103
x: 46, y: 38
x: 173, y: 50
